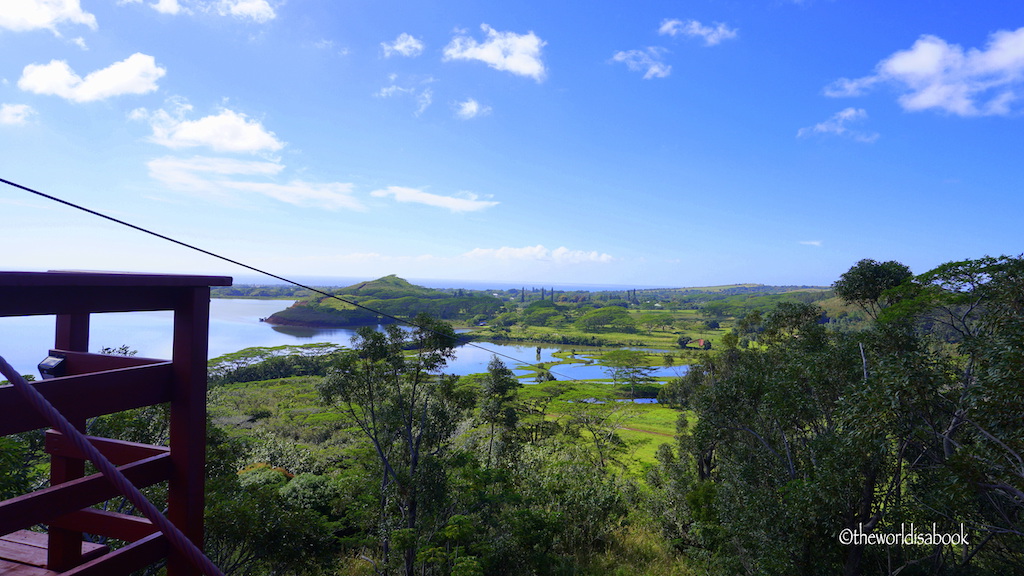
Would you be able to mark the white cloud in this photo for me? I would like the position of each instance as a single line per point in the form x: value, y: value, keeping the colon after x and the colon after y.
x: 933, y: 74
x: 646, y: 61
x: 838, y: 125
x: 24, y: 15
x: 256, y: 10
x: 15, y: 113
x: 221, y: 177
x: 817, y: 243
x: 471, y: 109
x: 560, y: 255
x: 463, y: 202
x: 226, y: 131
x: 80, y: 42
x: 167, y: 7
x: 404, y: 45
x: 693, y: 28
x: 136, y: 74
x: 507, y: 51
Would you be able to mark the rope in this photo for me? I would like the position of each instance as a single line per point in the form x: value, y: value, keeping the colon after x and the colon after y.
x: 57, y: 420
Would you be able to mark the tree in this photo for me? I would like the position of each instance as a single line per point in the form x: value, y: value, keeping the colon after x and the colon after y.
x: 615, y: 317
x: 408, y: 410
x: 497, y: 407
x: 629, y: 367
x: 866, y: 283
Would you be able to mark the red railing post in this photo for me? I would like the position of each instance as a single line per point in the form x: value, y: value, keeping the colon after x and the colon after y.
x: 64, y: 550
x: 188, y: 424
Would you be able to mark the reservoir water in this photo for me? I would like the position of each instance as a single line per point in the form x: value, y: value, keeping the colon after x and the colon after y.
x: 235, y: 324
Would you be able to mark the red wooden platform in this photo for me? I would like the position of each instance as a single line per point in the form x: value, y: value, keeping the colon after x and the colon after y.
x: 94, y: 385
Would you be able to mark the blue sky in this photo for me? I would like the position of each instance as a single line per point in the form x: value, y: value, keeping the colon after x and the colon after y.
x: 649, y: 144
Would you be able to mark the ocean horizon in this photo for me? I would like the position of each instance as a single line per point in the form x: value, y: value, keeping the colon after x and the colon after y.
x: 441, y: 283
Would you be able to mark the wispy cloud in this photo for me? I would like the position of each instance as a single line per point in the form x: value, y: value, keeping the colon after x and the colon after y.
x: 933, y: 74
x: 470, y: 108
x: 25, y: 15
x: 405, y: 45
x: 647, y: 61
x: 712, y: 35
x: 561, y: 255
x: 14, y: 114
x: 817, y: 243
x: 839, y: 125
x: 463, y: 202
x: 507, y: 51
x: 419, y: 91
x: 226, y: 131
x: 223, y: 178
x: 137, y: 74
x: 259, y: 11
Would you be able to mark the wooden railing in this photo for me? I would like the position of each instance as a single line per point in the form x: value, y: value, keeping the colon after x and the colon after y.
x: 96, y: 385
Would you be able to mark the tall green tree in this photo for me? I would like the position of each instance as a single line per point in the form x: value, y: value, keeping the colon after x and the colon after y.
x: 391, y: 384
x: 498, y: 407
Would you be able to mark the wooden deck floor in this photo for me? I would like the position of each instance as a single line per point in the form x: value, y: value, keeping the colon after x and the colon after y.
x: 23, y: 553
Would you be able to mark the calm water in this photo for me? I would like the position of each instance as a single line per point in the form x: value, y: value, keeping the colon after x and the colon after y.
x: 235, y: 324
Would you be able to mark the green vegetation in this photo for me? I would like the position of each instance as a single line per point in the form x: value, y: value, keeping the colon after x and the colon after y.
x: 262, y: 291
x: 915, y: 419
x: 897, y: 402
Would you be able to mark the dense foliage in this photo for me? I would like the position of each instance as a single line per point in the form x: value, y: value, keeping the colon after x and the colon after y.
x: 916, y: 420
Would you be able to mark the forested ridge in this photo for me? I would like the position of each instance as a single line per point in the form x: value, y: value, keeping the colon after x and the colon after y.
x: 892, y: 400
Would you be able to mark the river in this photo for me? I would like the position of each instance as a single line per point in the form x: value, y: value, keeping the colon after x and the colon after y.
x: 235, y: 324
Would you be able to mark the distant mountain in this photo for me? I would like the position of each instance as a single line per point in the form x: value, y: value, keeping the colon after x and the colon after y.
x: 387, y: 296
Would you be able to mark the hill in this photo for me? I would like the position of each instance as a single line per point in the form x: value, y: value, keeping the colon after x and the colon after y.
x: 391, y: 295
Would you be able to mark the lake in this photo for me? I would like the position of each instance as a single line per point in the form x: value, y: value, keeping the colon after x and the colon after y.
x: 235, y: 324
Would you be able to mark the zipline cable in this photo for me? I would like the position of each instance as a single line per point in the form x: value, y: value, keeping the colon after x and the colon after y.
x: 272, y: 275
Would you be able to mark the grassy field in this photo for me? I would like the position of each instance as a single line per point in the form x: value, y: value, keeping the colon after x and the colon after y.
x: 290, y: 408
x: 655, y: 338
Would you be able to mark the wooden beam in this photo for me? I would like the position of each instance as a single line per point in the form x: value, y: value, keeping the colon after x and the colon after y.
x: 72, y: 332
x: 44, y: 505
x: 119, y: 452
x: 111, y: 524
x: 185, y: 500
x: 46, y: 300
x: 123, y: 561
x: 88, y: 395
